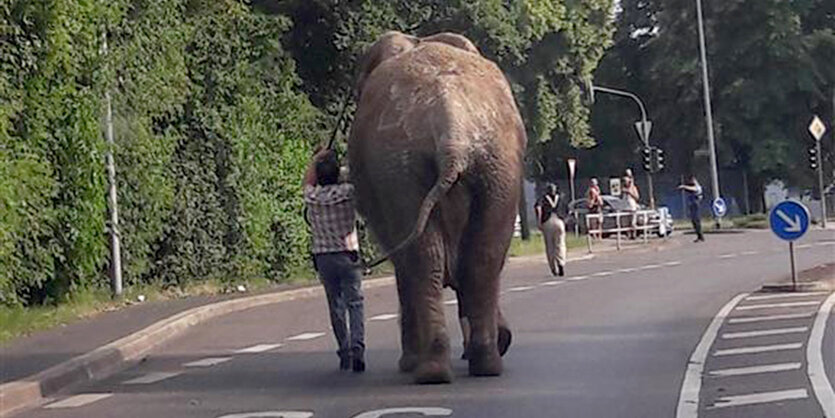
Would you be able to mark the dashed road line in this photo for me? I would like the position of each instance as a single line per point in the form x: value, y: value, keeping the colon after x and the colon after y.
x: 78, y: 400
x: 749, y: 319
x: 383, y: 317
x: 749, y: 253
x: 260, y: 348
x: 727, y: 256
x: 814, y: 359
x: 153, y: 377
x: 520, y: 289
x: 763, y: 333
x: 767, y: 368
x: 628, y: 270
x: 651, y: 266
x: 804, y: 246
x: 603, y: 274
x: 757, y: 349
x: 306, y: 336
x: 759, y: 398
x: 552, y: 283
x: 688, y: 398
x: 577, y: 279
x: 785, y: 295
x: 778, y: 305
x: 208, y: 362
x: 672, y: 263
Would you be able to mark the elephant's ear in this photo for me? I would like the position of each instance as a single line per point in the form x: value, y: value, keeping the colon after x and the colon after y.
x: 389, y: 45
x: 453, y: 39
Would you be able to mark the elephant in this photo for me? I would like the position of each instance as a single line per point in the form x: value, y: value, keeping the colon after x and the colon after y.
x: 436, y: 154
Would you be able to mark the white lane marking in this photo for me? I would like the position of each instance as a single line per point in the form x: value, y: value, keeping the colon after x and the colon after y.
x: 306, y: 336
x: 821, y: 244
x: 425, y: 411
x: 672, y: 263
x: 749, y: 253
x: 688, y: 398
x: 552, y: 283
x: 520, y: 289
x: 451, y: 302
x: 271, y: 414
x: 383, y: 317
x: 757, y: 349
x: 149, y: 378
x: 748, y: 319
x: 814, y: 360
x: 260, y: 348
x: 767, y: 368
x: 804, y: 246
x: 79, y: 400
x: 582, y: 257
x: 208, y: 362
x: 651, y: 266
x: 577, y: 279
x: 726, y: 256
x: 785, y: 295
x: 758, y: 398
x: 763, y: 333
x: 777, y: 305
x: 627, y: 270
x: 603, y: 274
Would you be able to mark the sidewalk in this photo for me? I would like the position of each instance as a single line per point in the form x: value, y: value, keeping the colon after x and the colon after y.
x: 60, y: 347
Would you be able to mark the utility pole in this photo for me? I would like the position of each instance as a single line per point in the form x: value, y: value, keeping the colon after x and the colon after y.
x: 112, y: 204
x: 714, y: 171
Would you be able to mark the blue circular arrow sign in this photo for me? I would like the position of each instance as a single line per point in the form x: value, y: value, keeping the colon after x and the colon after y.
x: 719, y: 207
x: 789, y: 220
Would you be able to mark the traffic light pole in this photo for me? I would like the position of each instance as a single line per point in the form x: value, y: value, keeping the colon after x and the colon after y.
x: 820, y: 181
x: 644, y: 136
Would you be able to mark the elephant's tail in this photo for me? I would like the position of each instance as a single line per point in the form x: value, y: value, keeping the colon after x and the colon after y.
x: 441, y: 187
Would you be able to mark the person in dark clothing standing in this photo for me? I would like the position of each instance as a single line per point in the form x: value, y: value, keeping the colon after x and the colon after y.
x: 694, y: 198
x: 332, y: 215
x: 553, y: 229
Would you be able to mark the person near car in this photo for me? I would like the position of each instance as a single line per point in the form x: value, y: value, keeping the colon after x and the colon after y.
x: 632, y: 195
x: 553, y: 229
x: 595, y: 204
x: 694, y: 198
x: 332, y: 214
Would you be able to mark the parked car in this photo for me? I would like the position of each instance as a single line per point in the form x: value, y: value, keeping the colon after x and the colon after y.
x: 578, y: 209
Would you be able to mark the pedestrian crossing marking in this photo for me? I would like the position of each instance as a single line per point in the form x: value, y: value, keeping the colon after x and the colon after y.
x: 759, y: 398
x: 768, y: 368
x: 79, y: 400
x: 778, y: 305
x: 763, y: 333
x: 748, y: 319
x: 757, y: 349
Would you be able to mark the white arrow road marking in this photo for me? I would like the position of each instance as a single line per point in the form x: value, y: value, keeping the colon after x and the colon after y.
x: 208, y: 362
x: 763, y: 333
x: 785, y: 295
x: 383, y: 317
x: 260, y: 348
x: 149, y: 378
x: 758, y: 398
x: 79, y: 400
x: 768, y: 368
x: 814, y: 360
x: 793, y: 224
x: 758, y: 349
x: 306, y: 336
x: 427, y: 412
x: 778, y: 305
x: 688, y: 398
x: 747, y: 319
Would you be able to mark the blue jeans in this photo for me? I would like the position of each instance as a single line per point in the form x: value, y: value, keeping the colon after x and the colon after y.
x: 340, y: 275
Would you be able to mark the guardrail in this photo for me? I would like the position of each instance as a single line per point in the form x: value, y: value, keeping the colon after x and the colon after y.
x: 633, y: 225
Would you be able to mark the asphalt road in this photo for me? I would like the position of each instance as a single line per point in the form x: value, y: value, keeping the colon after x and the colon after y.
x: 612, y: 340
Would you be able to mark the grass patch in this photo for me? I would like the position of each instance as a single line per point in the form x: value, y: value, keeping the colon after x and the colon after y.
x: 755, y: 221
x: 535, y: 245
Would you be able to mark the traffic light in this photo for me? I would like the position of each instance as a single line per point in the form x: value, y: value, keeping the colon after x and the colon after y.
x: 646, y: 154
x: 658, y: 159
x: 813, y: 158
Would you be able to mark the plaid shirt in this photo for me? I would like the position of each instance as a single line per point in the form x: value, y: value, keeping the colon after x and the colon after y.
x: 332, y: 218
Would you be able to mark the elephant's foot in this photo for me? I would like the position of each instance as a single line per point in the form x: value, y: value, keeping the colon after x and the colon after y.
x: 433, y: 372
x: 484, y: 361
x: 408, y: 362
x: 505, y: 337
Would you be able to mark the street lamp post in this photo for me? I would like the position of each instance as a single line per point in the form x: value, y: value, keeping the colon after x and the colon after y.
x: 644, y: 136
x: 714, y: 172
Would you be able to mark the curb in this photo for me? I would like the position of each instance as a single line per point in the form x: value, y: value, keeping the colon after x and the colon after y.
x: 118, y: 355
x: 788, y: 287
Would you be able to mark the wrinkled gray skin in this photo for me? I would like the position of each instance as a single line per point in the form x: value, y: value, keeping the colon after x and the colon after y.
x: 436, y: 154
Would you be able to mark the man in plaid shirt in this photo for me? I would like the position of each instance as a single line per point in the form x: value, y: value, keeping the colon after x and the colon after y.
x: 332, y: 215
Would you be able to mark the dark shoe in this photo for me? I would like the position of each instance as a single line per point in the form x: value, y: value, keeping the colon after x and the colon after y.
x: 562, y: 271
x: 344, y: 363
x: 554, y: 272
x: 359, y: 365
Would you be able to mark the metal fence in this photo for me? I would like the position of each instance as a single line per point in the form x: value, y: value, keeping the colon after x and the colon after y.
x: 635, y: 222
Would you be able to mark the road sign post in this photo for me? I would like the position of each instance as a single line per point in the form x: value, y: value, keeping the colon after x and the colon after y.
x: 789, y: 220
x: 817, y: 129
x: 572, y: 166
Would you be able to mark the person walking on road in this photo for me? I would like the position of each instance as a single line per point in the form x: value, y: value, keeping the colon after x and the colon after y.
x: 595, y: 205
x: 332, y: 214
x: 694, y: 198
x: 630, y: 192
x: 553, y: 229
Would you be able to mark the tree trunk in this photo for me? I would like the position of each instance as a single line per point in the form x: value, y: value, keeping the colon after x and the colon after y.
x: 523, y: 214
